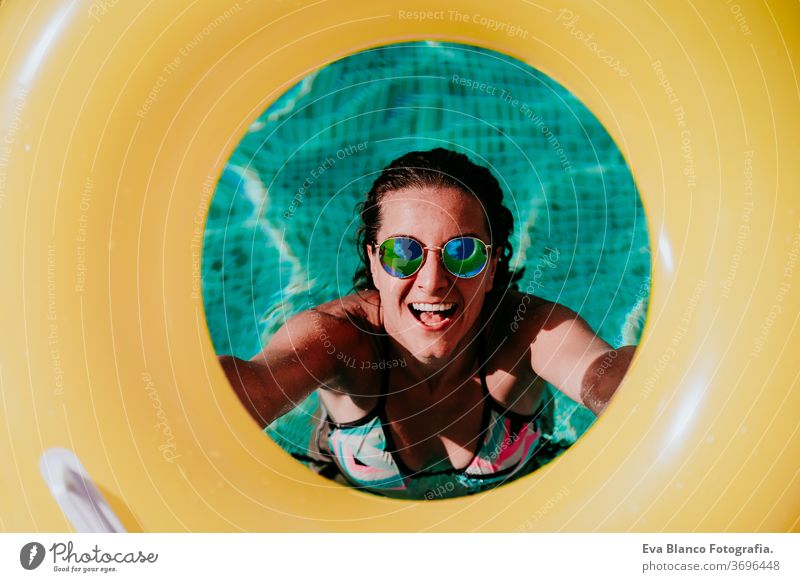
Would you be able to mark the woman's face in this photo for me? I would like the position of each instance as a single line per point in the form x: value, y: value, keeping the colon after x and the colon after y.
x: 433, y: 216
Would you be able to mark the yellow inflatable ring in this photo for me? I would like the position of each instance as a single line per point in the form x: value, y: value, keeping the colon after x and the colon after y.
x: 117, y: 118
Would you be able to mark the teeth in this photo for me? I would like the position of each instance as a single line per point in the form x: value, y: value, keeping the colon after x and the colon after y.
x: 433, y: 306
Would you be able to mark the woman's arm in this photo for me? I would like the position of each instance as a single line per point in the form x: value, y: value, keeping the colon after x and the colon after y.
x: 567, y: 353
x: 295, y: 362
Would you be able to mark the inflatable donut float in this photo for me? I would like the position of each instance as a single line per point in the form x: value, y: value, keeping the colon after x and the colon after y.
x: 116, y: 120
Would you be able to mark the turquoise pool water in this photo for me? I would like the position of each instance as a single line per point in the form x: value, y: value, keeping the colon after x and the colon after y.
x: 297, y: 174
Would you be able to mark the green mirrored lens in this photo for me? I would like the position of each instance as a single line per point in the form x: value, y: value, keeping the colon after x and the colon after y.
x: 465, y: 257
x: 401, y: 257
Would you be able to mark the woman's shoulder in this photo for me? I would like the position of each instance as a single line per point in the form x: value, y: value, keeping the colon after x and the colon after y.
x: 360, y: 310
x: 346, y: 328
x: 354, y: 329
x: 329, y: 345
x: 520, y: 315
x: 523, y: 315
x: 517, y: 306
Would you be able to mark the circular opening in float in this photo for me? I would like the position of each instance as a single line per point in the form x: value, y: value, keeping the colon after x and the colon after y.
x: 282, y: 242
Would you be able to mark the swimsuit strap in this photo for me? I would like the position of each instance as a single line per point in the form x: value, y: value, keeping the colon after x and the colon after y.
x: 384, y: 353
x: 483, y: 361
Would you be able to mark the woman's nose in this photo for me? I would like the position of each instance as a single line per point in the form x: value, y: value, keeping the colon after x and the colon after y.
x: 433, y: 276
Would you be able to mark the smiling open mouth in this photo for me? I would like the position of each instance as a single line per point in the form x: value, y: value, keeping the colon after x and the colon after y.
x: 433, y: 314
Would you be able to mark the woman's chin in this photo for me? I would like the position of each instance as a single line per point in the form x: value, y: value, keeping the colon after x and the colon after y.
x: 432, y: 346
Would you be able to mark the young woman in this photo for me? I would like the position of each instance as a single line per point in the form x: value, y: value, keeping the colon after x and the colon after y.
x: 430, y: 377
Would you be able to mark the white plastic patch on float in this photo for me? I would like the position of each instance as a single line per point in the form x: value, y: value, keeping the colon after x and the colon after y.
x: 76, y: 493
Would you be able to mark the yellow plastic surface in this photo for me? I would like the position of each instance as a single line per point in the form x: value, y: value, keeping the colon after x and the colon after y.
x: 116, y: 120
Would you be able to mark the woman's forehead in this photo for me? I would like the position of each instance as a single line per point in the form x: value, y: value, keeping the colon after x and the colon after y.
x: 443, y: 212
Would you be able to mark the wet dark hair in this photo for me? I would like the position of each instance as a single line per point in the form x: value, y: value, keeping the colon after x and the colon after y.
x: 439, y: 168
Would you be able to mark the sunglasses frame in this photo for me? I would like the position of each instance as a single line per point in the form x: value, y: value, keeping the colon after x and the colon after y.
x: 425, y: 251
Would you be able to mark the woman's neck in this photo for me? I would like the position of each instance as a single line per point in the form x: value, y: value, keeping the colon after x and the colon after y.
x: 446, y: 373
